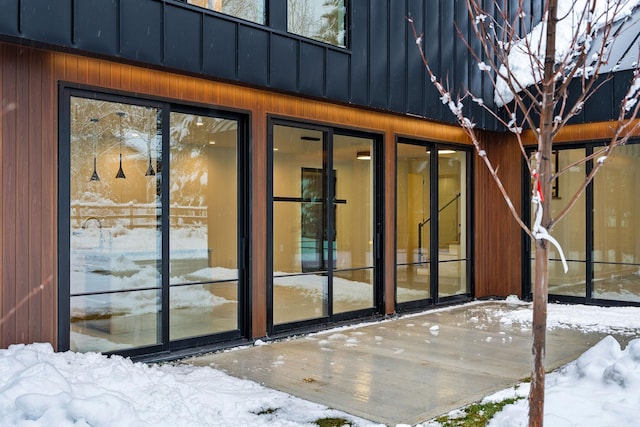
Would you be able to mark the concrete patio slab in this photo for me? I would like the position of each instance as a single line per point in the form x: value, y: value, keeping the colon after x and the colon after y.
x: 405, y: 370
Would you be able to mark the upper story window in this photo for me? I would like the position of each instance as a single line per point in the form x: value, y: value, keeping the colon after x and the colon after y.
x: 325, y: 20
x: 250, y: 10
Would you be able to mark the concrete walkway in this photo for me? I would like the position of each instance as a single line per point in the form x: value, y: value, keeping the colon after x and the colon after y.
x: 405, y: 370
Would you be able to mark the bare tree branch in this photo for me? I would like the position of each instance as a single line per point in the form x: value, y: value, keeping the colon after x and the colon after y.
x: 531, y: 75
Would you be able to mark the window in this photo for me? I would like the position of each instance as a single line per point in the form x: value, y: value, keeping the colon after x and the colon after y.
x: 599, y: 236
x: 433, y: 257
x: 413, y: 222
x: 115, y: 232
x: 152, y: 221
x: 250, y: 10
x: 616, y: 227
x: 570, y: 231
x: 324, y: 20
x: 323, y: 224
x: 203, y: 217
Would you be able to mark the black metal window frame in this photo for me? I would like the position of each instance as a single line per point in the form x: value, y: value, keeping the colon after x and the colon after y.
x: 378, y: 182
x: 264, y: 17
x: 434, y: 298
x: 276, y: 18
x: 527, y: 244
x: 167, y: 106
x: 346, y: 24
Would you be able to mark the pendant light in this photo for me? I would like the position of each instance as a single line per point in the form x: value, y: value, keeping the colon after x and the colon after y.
x: 150, y: 171
x: 120, y: 173
x: 94, y: 176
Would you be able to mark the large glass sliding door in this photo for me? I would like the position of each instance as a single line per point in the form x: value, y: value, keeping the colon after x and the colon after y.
x: 115, y: 232
x: 453, y: 251
x: 616, y: 227
x: 300, y: 240
x: 432, y: 223
x: 570, y: 231
x: 203, y: 218
x: 413, y: 223
x: 353, y: 275
x: 323, y: 224
x: 600, y: 234
x: 153, y: 220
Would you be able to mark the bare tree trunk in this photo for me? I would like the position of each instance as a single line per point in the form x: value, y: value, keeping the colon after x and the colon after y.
x: 543, y: 107
x: 536, y: 394
x: 543, y: 165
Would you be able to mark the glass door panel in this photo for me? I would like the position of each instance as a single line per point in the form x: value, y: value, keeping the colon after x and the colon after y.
x: 570, y: 231
x: 616, y: 227
x: 300, y: 239
x: 353, y: 278
x: 452, y: 223
x: 203, y: 223
x: 413, y: 220
x: 115, y: 228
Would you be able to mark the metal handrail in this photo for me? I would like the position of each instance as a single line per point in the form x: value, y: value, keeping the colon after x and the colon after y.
x: 423, y: 223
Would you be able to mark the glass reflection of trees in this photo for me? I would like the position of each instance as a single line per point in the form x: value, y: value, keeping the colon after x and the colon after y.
x: 309, y: 18
x: 325, y: 23
x: 251, y: 10
x: 98, y: 132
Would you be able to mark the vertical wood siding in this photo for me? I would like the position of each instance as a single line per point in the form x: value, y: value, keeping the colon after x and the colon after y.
x: 28, y: 162
x: 498, y: 236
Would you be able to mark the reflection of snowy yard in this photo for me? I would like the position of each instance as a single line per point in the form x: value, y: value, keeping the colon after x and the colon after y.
x: 625, y: 287
x: 136, y: 299
x: 122, y: 259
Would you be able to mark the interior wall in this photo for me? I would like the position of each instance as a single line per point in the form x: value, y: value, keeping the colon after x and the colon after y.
x: 353, y: 231
x: 570, y: 231
x: 419, y: 194
x: 413, y: 200
x: 616, y: 220
x: 222, y: 205
x: 287, y: 226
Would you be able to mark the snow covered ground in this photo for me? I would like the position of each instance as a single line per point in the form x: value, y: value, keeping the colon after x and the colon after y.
x: 600, y: 388
x: 39, y: 387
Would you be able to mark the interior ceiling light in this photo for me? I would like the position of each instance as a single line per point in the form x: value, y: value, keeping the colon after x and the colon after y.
x: 363, y: 155
x: 95, y: 176
x: 443, y: 151
x: 199, y: 121
x: 120, y: 174
x: 150, y: 171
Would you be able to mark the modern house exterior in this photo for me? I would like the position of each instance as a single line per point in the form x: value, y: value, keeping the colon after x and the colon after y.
x: 185, y: 175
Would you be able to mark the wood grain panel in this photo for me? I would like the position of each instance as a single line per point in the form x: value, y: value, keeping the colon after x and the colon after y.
x: 258, y: 225
x: 588, y: 131
x: 70, y: 68
x: 35, y: 186
x: 22, y: 195
x: 497, y: 234
x: 8, y: 324
x: 48, y: 217
x: 83, y: 70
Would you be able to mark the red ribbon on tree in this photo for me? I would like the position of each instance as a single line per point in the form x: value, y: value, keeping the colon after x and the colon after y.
x: 539, y: 187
